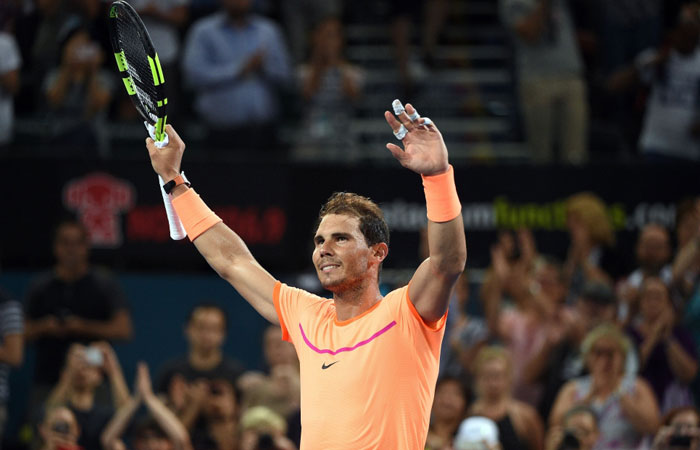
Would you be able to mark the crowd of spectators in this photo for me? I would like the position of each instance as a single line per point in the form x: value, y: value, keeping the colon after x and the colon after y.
x: 594, y: 78
x: 566, y: 354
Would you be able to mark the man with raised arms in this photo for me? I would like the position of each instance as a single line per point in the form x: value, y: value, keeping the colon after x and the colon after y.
x: 368, y: 363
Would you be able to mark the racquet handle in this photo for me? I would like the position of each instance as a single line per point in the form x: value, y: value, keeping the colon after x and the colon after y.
x: 177, y: 230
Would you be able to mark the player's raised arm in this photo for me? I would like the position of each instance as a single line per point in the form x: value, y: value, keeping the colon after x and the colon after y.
x: 425, y: 153
x: 223, y: 249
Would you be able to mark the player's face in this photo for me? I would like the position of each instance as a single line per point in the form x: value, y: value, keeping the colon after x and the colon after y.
x: 341, y: 255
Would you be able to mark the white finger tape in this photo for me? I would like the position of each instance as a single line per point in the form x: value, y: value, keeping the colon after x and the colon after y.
x: 415, y: 116
x: 401, y: 133
x: 398, y: 107
x: 427, y: 121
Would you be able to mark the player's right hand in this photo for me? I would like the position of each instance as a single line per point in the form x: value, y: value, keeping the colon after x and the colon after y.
x: 166, y: 161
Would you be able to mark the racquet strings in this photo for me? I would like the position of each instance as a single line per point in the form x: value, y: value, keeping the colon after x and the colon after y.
x: 137, y: 58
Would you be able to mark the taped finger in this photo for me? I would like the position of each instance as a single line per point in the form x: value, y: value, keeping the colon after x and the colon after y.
x: 414, y: 116
x: 401, y: 133
x: 398, y: 107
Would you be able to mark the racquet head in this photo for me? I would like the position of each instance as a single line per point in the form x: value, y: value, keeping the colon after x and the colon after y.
x: 138, y: 65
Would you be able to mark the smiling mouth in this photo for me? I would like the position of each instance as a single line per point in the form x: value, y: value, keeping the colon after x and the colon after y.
x: 329, y: 267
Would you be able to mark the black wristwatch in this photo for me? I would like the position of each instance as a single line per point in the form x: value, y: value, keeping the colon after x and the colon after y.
x: 177, y: 181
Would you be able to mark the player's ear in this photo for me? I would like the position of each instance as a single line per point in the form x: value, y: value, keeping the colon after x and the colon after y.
x: 380, y: 251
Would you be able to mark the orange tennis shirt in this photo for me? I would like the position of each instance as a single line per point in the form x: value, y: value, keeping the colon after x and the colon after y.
x: 367, y: 382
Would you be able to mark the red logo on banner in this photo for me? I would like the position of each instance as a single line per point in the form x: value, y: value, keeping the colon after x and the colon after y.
x: 99, y: 198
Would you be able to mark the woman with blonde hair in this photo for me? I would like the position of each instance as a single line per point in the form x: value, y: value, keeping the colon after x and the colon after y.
x: 519, y: 425
x: 625, y: 404
x: 590, y: 256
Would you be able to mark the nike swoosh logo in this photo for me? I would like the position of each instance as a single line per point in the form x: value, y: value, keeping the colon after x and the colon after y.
x: 324, y: 366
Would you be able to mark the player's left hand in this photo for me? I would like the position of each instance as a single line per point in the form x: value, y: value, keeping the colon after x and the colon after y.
x: 424, y: 150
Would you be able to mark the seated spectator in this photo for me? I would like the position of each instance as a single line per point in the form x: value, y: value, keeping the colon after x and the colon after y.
x: 330, y: 86
x: 205, y: 331
x: 72, y: 302
x: 449, y: 410
x: 235, y: 62
x: 10, y: 64
x: 537, y: 287
x: 262, y: 428
x: 212, y: 415
x: 579, y: 430
x: 668, y: 359
x: 553, y: 95
x: 624, y: 403
x: 161, y: 430
x: 519, y: 425
x: 653, y: 256
x: 680, y: 429
x: 59, y: 430
x: 11, y: 349
x: 78, y: 93
x: 590, y: 256
x: 82, y: 375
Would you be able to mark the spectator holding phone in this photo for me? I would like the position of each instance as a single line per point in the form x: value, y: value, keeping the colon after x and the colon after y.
x: 579, y: 431
x: 205, y: 332
x: 160, y: 431
x: 71, y: 303
x: 680, y: 430
x: 59, y: 430
x: 80, y: 378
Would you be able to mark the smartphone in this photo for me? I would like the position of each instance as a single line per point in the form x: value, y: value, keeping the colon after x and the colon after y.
x: 93, y: 356
x: 679, y: 440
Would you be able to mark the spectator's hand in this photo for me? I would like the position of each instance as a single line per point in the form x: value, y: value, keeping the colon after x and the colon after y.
x: 528, y: 248
x: 144, y: 387
x: 554, y: 438
x: 499, y: 262
x: 662, y: 437
x: 166, y: 161
x: 424, y: 150
x: 177, y: 392
x: 110, y: 362
x: 254, y: 63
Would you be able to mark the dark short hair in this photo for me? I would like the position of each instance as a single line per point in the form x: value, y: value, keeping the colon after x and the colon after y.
x: 147, y: 426
x: 69, y: 222
x: 208, y: 305
x: 598, y: 292
x: 372, y: 223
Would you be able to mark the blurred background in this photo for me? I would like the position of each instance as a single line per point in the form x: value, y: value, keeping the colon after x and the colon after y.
x: 573, y: 128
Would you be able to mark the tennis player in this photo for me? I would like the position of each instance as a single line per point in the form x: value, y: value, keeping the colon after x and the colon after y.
x: 369, y: 363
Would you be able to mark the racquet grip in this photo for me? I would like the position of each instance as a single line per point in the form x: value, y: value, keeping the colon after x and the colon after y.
x: 177, y: 231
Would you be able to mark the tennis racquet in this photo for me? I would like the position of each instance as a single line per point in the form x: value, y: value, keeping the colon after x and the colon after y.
x: 143, y: 79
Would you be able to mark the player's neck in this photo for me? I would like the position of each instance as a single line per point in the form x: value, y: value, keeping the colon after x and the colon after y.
x: 71, y: 273
x: 354, y: 301
x: 202, y: 360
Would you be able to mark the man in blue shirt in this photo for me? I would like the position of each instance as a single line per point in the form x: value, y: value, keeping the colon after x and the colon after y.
x: 235, y: 62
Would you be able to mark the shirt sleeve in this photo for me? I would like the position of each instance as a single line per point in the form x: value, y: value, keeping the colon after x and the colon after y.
x: 10, y: 58
x: 291, y: 303
x: 11, y: 321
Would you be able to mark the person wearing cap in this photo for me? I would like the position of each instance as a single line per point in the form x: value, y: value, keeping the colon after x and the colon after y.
x: 477, y: 433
